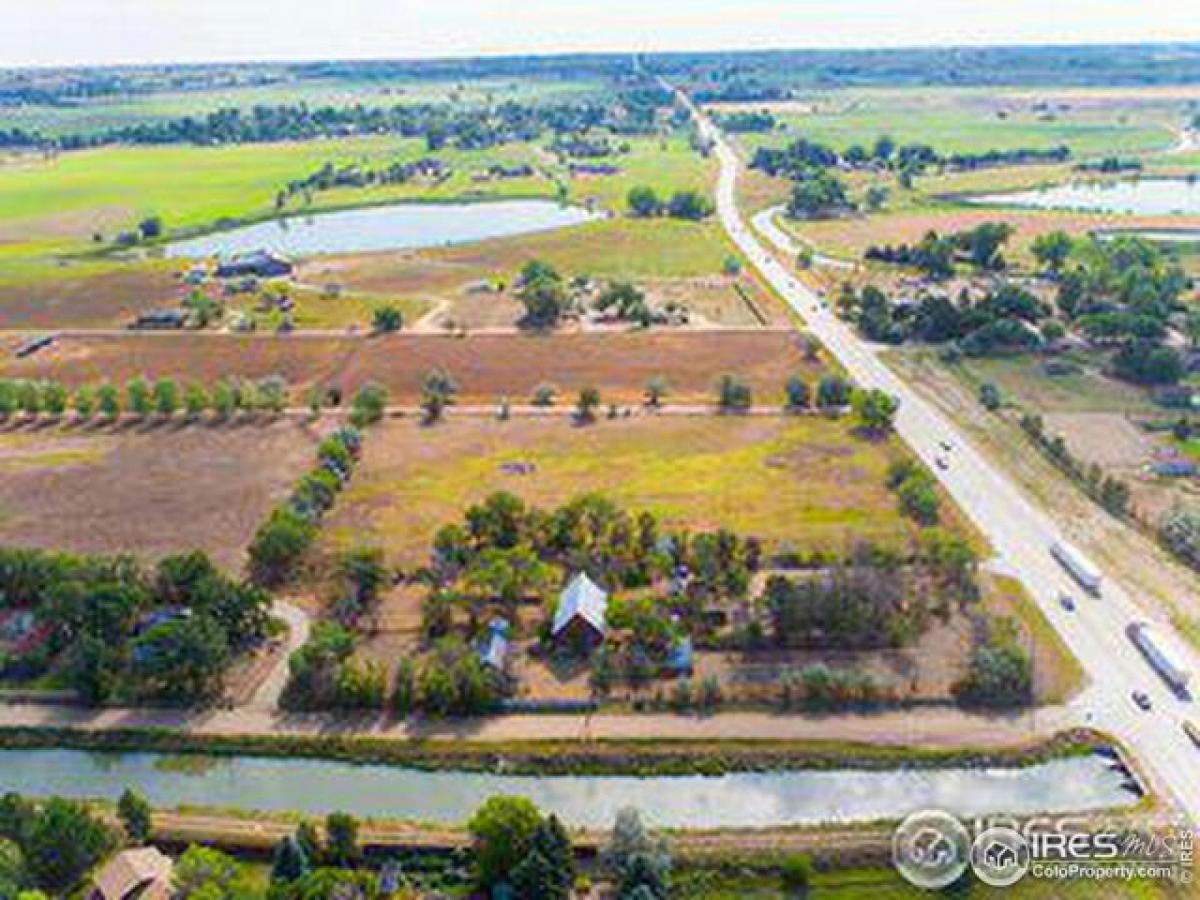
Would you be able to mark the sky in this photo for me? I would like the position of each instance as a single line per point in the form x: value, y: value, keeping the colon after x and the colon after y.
x: 78, y: 32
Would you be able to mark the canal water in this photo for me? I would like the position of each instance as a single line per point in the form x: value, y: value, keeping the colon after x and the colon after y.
x: 396, y: 227
x: 736, y: 800
x: 1141, y: 196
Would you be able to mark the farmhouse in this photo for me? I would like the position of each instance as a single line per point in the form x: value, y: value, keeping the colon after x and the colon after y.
x: 160, y: 320
x: 580, y: 619
x: 144, y: 874
x: 260, y: 263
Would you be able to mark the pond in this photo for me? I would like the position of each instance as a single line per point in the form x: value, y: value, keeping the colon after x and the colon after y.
x: 1140, y: 196
x: 401, y: 226
x: 736, y: 800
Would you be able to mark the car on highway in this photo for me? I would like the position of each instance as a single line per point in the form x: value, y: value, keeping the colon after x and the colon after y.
x: 941, y: 462
x: 946, y: 445
x: 1067, y: 602
x: 1142, y: 699
x: 1192, y: 730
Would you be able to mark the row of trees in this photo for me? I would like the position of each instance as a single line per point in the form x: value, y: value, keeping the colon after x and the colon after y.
x: 290, y: 529
x: 163, y: 397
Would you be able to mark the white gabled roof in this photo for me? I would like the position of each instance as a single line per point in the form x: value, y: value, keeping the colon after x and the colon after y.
x: 584, y: 599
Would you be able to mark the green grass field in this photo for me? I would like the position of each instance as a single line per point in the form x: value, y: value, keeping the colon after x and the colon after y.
x: 809, y: 482
x: 975, y: 120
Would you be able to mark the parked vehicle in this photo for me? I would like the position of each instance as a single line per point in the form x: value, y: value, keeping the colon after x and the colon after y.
x: 1079, y: 566
x: 1167, y: 662
x: 1067, y: 602
x: 1192, y: 730
x: 1142, y: 699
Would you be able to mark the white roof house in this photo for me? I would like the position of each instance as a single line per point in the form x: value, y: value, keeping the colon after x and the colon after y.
x: 582, y: 599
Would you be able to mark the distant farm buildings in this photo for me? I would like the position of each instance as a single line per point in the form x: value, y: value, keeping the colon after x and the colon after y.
x: 260, y: 263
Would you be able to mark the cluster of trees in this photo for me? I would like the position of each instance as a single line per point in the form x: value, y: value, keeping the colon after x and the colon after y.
x: 905, y: 160
x: 915, y: 491
x: 164, y: 398
x: 1000, y: 673
x: 833, y: 393
x: 935, y: 255
x: 1121, y: 293
x: 544, y: 292
x: 308, y: 866
x: 291, y: 528
x: 872, y: 600
x: 818, y: 194
x: 819, y: 687
x: 519, y: 853
x: 644, y: 203
x: 1110, y: 492
x: 48, y: 846
x: 748, y: 122
x: 1179, y: 531
x: 1008, y: 319
x: 354, y: 175
x: 117, y: 630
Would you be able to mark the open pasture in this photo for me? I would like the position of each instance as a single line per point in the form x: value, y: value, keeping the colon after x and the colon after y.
x: 973, y: 120
x: 808, y: 481
x: 147, y: 490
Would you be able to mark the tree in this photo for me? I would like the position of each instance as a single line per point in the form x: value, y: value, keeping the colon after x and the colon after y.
x: 138, y: 397
x: 1052, y: 249
x: 989, y: 396
x: 585, y: 406
x: 290, y: 861
x: 54, y: 398
x: 656, y: 388
x: 690, y: 205
x: 876, y: 410
x: 501, y: 831
x: 833, y: 392
x: 437, y: 392
x: 12, y: 869
x: 643, y: 202
x: 203, y: 873
x: 544, y: 394
x: 182, y: 659
x: 134, y: 812
x: 223, y: 401
x: 797, y: 392
x: 278, y: 544
x: 369, y: 405
x: 541, y: 289
x: 195, y: 400
x: 166, y: 397
x: 733, y: 394
x: 341, y: 839
x: 817, y: 195
x: 65, y: 841
x: 150, y: 228
x: 387, y: 318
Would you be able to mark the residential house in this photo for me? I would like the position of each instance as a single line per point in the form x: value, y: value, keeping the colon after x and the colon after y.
x: 140, y: 874
x: 581, y: 617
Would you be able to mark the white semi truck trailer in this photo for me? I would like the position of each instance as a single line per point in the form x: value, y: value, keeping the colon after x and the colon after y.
x: 1081, y: 568
x: 1159, y: 652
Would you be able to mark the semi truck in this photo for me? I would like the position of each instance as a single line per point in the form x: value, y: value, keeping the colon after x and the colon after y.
x: 1167, y: 662
x: 1079, y: 566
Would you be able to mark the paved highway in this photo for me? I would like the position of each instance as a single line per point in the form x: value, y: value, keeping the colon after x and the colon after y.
x: 1020, y: 532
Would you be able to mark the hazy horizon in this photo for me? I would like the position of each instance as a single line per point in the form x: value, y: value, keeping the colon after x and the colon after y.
x: 65, y: 33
